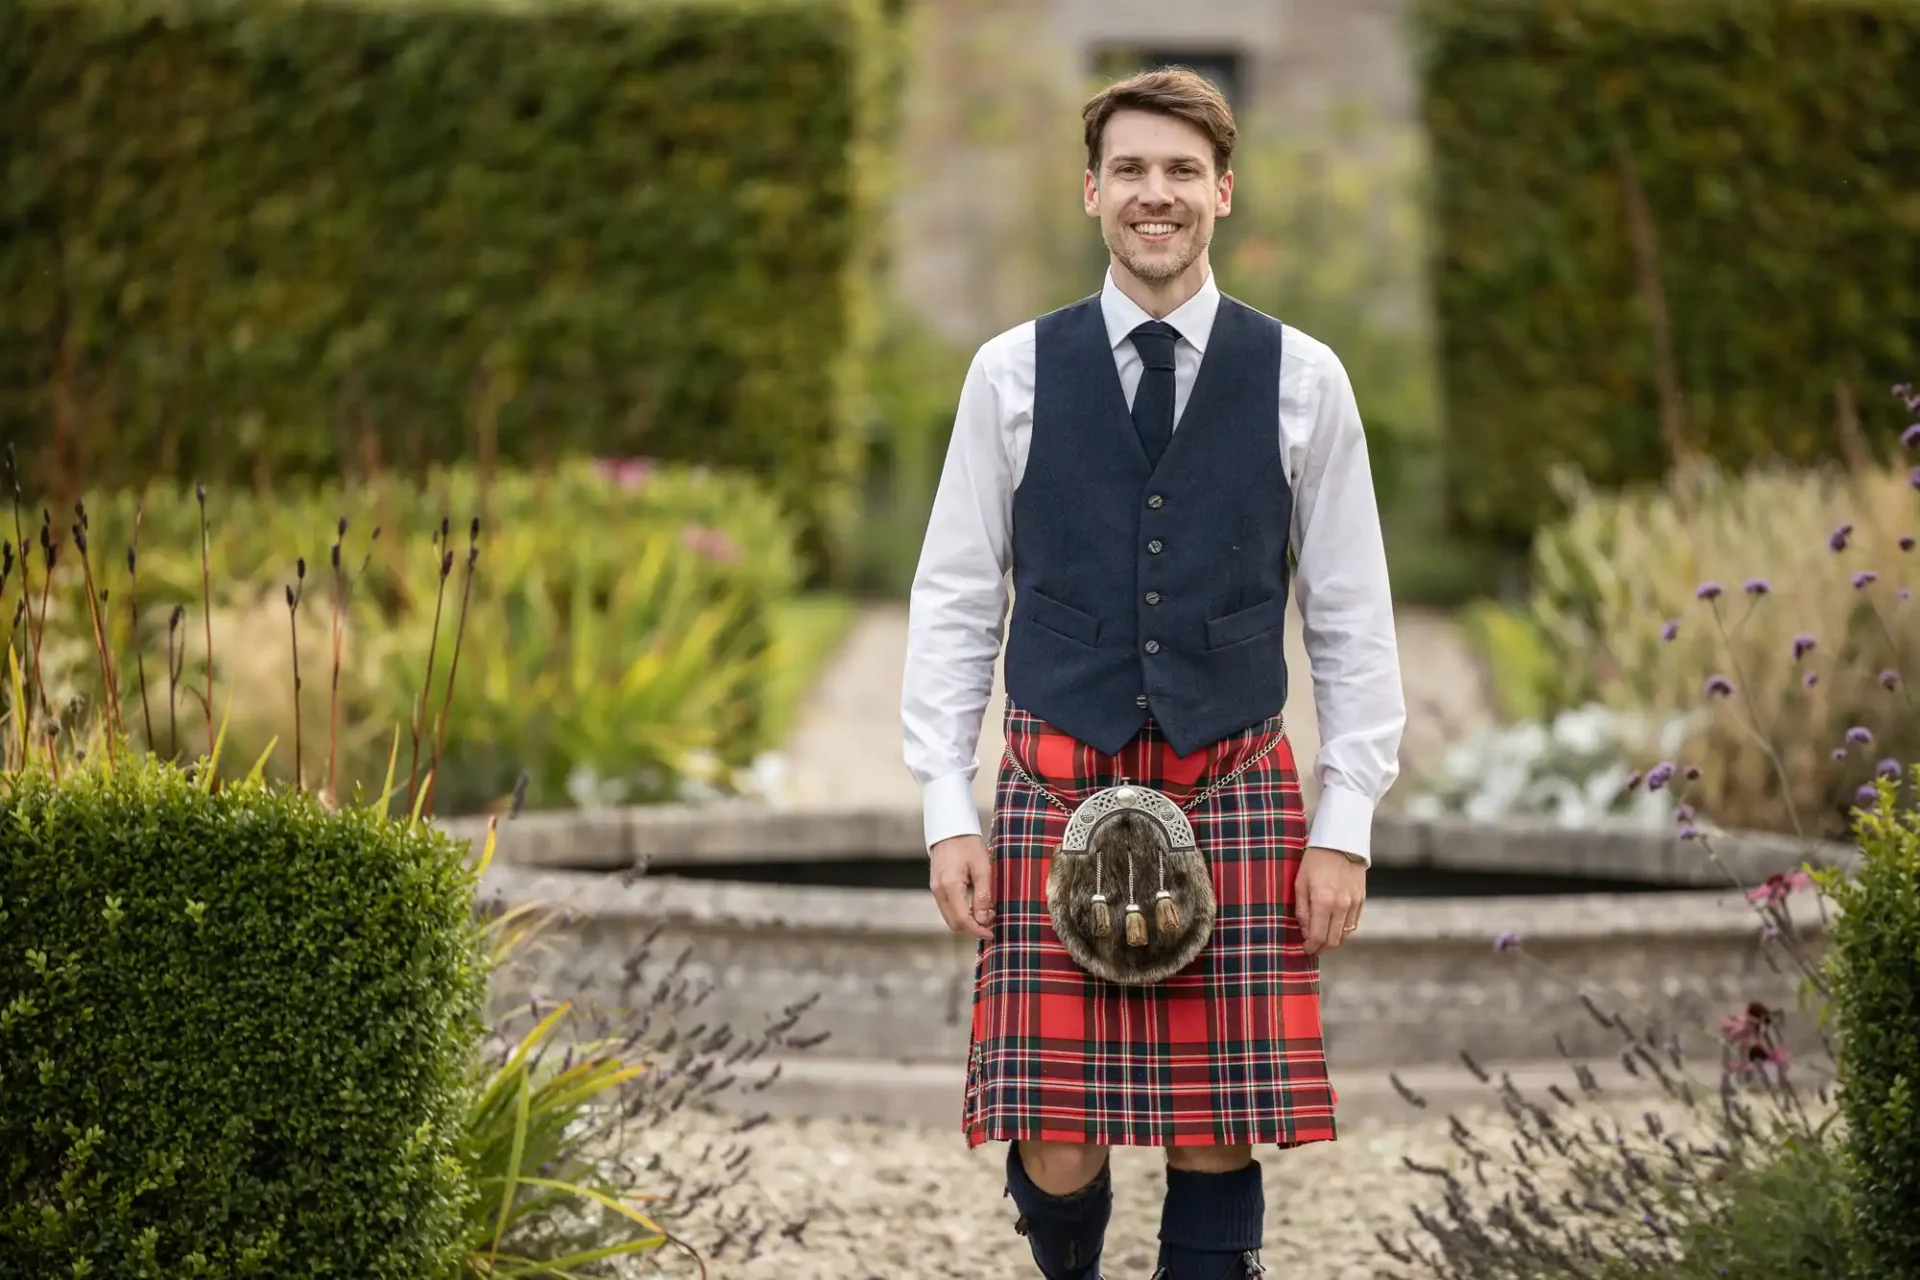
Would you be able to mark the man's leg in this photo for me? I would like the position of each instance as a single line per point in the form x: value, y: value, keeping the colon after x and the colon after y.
x: 1210, y: 1225
x: 1064, y: 1192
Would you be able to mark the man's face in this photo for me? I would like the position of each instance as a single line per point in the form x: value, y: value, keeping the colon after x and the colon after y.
x: 1156, y: 194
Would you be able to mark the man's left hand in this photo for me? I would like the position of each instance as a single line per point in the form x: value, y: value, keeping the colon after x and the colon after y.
x: 1328, y: 893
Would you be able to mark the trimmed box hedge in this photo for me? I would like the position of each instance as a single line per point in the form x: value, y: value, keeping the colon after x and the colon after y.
x: 236, y: 1031
x: 283, y: 238
x: 1757, y: 160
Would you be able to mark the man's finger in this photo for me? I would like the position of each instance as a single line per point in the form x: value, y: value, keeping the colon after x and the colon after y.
x: 983, y: 893
x: 1337, y: 919
x: 1312, y: 917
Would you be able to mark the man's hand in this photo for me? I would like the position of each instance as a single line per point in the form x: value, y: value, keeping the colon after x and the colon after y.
x: 962, y: 883
x: 1328, y: 893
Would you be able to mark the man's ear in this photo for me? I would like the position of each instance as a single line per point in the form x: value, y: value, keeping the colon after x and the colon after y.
x: 1090, y: 193
x: 1224, y: 195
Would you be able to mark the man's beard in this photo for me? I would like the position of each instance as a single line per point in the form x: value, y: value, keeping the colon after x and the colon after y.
x: 1155, y: 270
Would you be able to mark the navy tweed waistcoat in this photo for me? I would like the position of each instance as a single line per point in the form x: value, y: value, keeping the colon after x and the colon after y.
x: 1151, y: 590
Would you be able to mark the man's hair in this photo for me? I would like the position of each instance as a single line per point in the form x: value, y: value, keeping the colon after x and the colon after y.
x: 1171, y: 91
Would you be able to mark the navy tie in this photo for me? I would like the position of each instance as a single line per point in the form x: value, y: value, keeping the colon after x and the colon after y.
x: 1153, y: 398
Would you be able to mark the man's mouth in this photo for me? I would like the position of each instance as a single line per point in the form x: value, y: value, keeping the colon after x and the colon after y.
x: 1155, y: 230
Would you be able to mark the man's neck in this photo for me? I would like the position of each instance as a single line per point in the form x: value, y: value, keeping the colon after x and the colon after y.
x: 1161, y: 298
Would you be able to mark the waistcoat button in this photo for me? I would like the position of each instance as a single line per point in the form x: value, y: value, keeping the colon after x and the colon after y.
x: 1153, y: 646
x: 1154, y: 546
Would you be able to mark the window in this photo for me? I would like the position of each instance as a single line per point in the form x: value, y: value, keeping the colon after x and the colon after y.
x: 1220, y: 66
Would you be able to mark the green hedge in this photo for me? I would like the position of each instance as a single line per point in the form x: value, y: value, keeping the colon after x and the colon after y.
x: 1874, y: 964
x: 282, y: 238
x: 235, y: 1031
x: 1775, y: 146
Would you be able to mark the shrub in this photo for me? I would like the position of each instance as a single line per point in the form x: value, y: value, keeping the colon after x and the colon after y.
x: 1755, y: 1173
x: 1783, y: 585
x: 240, y: 1032
x: 653, y: 588
x: 1875, y: 968
x: 289, y: 239
x: 235, y: 1028
x: 1646, y: 241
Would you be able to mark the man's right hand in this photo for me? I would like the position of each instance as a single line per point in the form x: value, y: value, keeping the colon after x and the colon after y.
x: 962, y: 883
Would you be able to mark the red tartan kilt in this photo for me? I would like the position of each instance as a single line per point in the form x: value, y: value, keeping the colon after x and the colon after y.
x: 1226, y: 1051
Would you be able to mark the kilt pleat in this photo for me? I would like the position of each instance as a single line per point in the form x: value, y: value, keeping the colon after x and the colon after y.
x: 1229, y: 1050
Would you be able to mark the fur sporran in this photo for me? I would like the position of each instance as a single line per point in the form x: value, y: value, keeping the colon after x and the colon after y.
x: 1129, y: 892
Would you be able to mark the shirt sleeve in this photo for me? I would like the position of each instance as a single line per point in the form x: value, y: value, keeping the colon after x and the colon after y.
x: 957, y: 609
x: 1346, y: 607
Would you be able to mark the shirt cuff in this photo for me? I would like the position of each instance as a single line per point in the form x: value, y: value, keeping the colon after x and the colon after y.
x: 950, y: 810
x: 1343, y: 821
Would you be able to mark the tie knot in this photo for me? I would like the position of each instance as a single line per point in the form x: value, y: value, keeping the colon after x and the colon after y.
x: 1154, y: 341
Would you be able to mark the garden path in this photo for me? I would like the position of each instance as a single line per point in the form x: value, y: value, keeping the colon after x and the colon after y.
x: 844, y: 753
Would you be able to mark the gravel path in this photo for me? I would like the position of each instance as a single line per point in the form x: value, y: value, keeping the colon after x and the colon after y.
x: 887, y: 1203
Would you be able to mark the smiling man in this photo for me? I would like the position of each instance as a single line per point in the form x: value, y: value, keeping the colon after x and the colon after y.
x: 1157, y: 466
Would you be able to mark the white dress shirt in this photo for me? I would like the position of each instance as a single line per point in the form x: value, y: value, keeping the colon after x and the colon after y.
x: 959, y: 603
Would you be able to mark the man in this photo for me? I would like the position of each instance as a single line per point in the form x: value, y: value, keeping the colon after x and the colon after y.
x: 1154, y: 465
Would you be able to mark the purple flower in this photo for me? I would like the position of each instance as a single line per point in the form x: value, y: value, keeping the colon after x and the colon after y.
x: 1890, y: 680
x: 1867, y: 794
x: 1683, y: 814
x: 1860, y: 736
x: 1888, y: 768
x: 1864, y: 578
x: 1911, y: 436
x: 1758, y: 586
x: 1906, y: 542
x: 1689, y: 832
x: 1707, y: 591
x: 1838, y: 540
x: 1672, y: 629
x: 1811, y: 679
x: 1839, y: 753
x: 1719, y: 686
x: 1659, y: 776
x: 1506, y: 942
x: 1802, y: 646
x: 1903, y: 595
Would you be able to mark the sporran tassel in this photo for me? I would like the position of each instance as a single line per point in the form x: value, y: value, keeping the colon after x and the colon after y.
x: 1166, y: 912
x: 1102, y: 914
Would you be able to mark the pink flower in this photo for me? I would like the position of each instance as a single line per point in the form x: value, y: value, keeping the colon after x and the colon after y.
x: 1776, y: 887
x: 710, y: 543
x: 627, y: 473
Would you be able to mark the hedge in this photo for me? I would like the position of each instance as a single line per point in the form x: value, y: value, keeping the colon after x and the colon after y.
x: 236, y: 1030
x: 1758, y: 159
x: 286, y: 238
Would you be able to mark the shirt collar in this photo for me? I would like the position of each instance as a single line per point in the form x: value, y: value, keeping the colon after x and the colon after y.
x: 1193, y: 318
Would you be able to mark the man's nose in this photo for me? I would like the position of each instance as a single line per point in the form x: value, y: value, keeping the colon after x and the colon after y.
x: 1157, y: 190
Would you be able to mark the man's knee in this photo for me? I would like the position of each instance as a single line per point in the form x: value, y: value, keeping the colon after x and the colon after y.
x: 1061, y: 1168
x: 1210, y: 1159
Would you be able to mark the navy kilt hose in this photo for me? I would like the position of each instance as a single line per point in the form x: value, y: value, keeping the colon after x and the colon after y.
x: 1226, y: 1051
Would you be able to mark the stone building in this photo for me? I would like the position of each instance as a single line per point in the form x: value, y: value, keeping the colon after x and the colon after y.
x: 990, y: 228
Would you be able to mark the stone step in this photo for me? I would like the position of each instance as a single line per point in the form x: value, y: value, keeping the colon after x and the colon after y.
x: 926, y: 1095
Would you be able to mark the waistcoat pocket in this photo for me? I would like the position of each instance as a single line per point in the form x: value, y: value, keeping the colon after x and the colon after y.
x: 1245, y: 624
